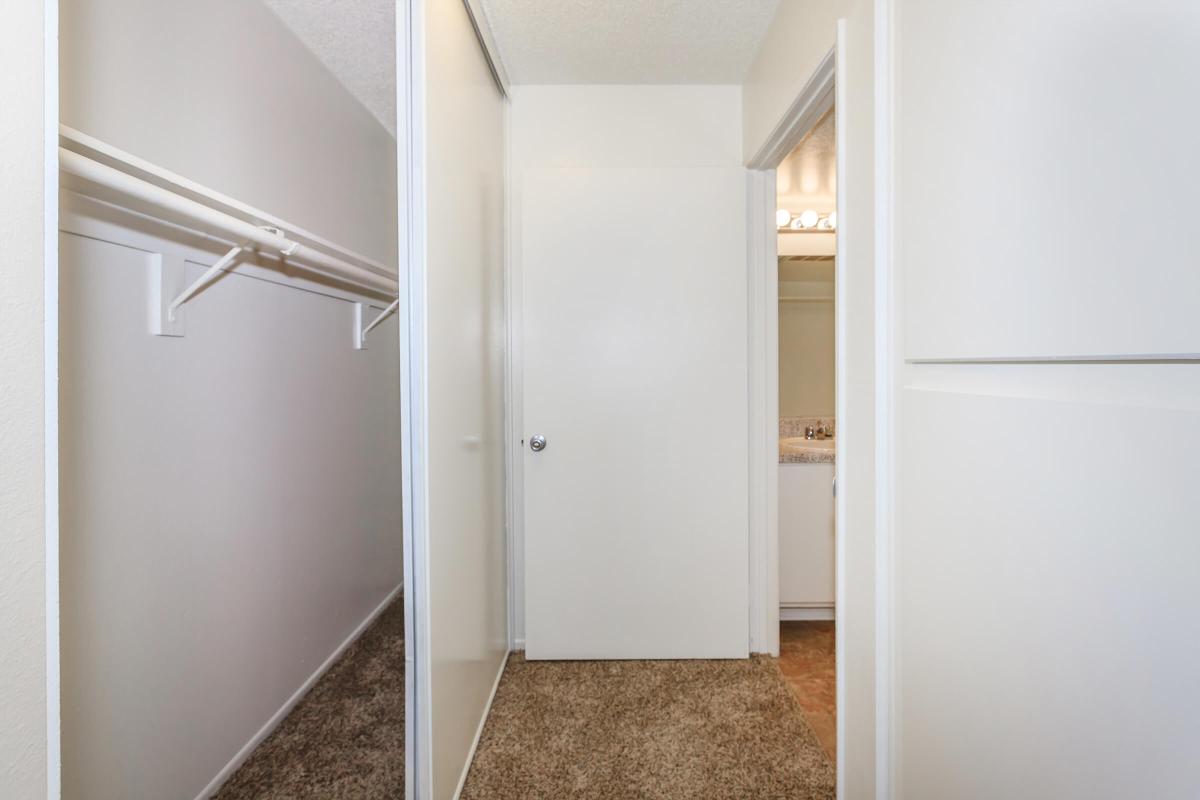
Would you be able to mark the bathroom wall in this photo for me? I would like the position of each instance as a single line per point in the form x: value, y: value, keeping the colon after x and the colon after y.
x: 806, y: 340
x: 231, y: 507
x: 25, y: 737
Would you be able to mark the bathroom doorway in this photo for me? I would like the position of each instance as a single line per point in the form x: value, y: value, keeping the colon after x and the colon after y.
x: 806, y: 221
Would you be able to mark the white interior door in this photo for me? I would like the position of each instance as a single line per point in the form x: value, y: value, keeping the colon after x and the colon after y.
x: 635, y: 360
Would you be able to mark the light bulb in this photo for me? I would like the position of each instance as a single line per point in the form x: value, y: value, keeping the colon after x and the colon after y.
x: 809, y: 219
x: 782, y: 218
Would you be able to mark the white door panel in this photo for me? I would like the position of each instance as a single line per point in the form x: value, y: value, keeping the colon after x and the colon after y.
x: 1045, y: 577
x: 635, y: 372
x: 1046, y: 178
x: 462, y: 610
x: 1047, y: 591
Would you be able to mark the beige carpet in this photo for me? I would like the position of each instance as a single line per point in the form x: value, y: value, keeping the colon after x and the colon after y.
x: 345, y: 739
x: 702, y: 730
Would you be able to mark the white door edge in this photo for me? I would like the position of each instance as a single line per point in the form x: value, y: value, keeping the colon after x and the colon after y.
x: 410, y: 143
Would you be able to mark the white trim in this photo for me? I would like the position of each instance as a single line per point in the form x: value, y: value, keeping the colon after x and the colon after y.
x: 809, y: 106
x: 885, y: 334
x: 763, y: 398
x: 487, y: 710
x: 1103, y: 358
x: 487, y: 42
x: 50, y: 401
x: 807, y: 614
x: 410, y: 201
x: 846, y: 434
x: 271, y: 724
x: 514, y: 408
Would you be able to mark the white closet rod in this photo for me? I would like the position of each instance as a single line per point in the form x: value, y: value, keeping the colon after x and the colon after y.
x: 215, y: 221
x: 105, y: 153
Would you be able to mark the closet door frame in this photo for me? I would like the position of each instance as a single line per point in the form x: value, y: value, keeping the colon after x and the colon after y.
x: 50, y: 215
x: 410, y: 204
x: 414, y: 390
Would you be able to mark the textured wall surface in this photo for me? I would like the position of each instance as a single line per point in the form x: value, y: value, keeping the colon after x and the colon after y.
x: 22, y: 540
x: 356, y: 41
x: 628, y: 41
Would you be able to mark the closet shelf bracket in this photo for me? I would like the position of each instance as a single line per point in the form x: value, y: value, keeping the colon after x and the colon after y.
x: 169, y: 275
x: 360, y: 333
x: 208, y: 277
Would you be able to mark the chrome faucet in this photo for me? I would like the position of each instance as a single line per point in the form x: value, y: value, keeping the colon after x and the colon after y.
x: 810, y: 432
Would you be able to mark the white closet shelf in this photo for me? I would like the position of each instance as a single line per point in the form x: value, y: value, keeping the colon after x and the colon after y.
x: 171, y: 197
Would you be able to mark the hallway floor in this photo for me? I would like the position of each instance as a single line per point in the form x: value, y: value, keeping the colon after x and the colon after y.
x: 582, y: 729
x: 345, y: 739
x: 647, y: 729
x: 806, y: 659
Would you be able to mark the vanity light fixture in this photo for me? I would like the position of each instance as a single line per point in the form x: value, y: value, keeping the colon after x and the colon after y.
x: 808, y: 221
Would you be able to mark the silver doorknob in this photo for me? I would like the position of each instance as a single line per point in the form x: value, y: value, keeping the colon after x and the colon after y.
x: 537, y: 443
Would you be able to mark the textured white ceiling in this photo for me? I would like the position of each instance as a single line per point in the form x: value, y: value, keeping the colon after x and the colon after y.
x: 628, y: 41
x: 356, y: 41
x: 807, y: 178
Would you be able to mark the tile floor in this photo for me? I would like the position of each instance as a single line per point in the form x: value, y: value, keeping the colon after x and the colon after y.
x: 806, y: 659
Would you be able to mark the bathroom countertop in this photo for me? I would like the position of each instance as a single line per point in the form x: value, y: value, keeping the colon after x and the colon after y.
x: 798, y: 450
x: 795, y: 449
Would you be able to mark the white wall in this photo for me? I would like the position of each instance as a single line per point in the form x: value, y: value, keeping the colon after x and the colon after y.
x: 801, y: 35
x: 1047, y: 562
x: 683, y: 127
x: 232, y: 506
x: 23, y: 734
x: 221, y: 92
x: 465, y: 329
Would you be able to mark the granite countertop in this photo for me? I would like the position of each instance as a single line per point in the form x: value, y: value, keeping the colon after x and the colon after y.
x: 795, y: 449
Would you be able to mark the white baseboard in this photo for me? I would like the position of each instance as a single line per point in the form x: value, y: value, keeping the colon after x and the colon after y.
x: 806, y: 613
x: 487, y: 709
x: 227, y: 771
x: 518, y: 645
